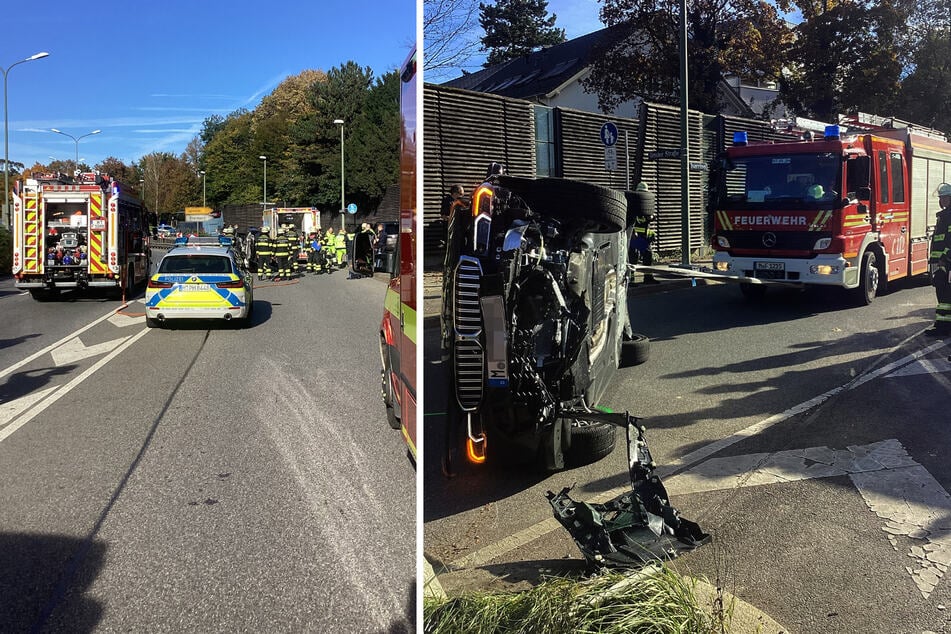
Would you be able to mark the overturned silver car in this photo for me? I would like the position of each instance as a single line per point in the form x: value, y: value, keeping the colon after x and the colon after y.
x: 534, y: 320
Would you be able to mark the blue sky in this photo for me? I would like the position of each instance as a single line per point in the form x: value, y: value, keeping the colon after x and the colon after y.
x: 148, y: 73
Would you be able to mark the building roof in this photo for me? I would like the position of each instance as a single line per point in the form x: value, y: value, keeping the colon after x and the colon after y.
x: 546, y: 72
x: 541, y: 72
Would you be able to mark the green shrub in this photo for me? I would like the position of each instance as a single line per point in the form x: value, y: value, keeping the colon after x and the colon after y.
x: 6, y: 252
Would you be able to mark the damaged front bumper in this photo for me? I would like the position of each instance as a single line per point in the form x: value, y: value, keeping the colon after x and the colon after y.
x: 635, y: 528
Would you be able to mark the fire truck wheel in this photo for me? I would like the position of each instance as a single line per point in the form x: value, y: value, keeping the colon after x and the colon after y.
x: 865, y: 292
x: 386, y: 389
x: 635, y: 351
x: 600, y: 209
x: 590, y: 441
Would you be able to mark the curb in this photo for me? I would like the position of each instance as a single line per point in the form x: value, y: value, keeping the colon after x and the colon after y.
x: 431, y: 586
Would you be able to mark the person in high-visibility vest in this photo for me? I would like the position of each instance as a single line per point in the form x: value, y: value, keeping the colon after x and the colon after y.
x: 265, y: 251
x: 282, y: 249
x: 340, y: 245
x: 643, y: 236
x: 313, y: 253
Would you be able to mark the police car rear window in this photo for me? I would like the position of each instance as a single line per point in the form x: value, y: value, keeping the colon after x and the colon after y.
x: 197, y: 264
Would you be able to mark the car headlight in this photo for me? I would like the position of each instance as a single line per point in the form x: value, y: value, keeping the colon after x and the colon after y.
x: 822, y: 244
x: 723, y: 242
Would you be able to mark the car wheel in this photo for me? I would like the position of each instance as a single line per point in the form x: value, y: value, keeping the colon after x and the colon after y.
x: 590, y: 441
x: 386, y: 389
x: 598, y: 209
x: 635, y: 351
x: 152, y: 323
x: 864, y: 293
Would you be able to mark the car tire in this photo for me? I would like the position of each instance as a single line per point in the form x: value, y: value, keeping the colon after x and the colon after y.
x: 635, y: 351
x: 152, y: 323
x: 590, y: 442
x: 598, y: 209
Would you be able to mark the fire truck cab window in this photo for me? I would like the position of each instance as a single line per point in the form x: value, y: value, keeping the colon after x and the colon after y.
x: 898, y: 178
x: 882, y: 177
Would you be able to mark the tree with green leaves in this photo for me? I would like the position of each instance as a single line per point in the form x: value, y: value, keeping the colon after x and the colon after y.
x: 514, y: 28
x: 640, y: 57
x: 847, y: 55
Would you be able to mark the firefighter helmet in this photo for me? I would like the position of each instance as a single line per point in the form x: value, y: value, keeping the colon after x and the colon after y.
x: 944, y: 189
x: 641, y: 187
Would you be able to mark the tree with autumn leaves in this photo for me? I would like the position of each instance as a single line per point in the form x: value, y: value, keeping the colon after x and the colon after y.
x: 293, y: 126
x: 828, y: 57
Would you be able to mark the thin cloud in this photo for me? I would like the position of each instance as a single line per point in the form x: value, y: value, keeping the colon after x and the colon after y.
x: 171, y: 96
x: 266, y: 89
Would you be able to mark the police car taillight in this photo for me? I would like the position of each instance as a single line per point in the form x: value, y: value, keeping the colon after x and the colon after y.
x: 233, y: 284
x: 158, y: 284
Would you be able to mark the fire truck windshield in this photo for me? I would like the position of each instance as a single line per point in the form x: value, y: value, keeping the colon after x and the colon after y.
x: 779, y: 181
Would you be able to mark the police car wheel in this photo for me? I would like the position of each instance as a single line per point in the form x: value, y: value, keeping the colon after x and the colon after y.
x: 635, y: 351
x: 590, y: 441
x: 152, y: 323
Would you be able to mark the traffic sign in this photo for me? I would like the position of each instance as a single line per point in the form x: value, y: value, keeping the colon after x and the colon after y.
x: 610, y: 158
x: 352, y: 208
x: 663, y: 154
x: 609, y: 134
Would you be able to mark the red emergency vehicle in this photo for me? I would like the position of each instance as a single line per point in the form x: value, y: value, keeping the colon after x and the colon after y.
x: 82, y: 232
x: 853, y: 207
x: 398, y: 334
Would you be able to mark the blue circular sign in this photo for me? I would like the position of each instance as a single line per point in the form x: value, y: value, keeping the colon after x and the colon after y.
x: 352, y: 208
x: 609, y: 134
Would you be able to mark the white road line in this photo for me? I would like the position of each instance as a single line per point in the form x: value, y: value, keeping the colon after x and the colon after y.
x: 75, y: 350
x: 12, y: 409
x: 51, y: 347
x: 506, y: 545
x: 56, y: 395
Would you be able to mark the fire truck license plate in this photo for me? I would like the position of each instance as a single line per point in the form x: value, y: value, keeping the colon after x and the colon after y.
x: 769, y: 266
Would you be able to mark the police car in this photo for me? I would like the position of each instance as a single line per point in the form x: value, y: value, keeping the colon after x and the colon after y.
x: 199, y: 279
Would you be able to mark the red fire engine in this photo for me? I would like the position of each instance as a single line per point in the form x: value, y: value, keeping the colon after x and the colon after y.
x: 398, y: 334
x: 83, y: 232
x: 851, y: 209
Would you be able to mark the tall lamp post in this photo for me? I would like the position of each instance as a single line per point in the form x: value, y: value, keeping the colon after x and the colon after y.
x: 5, y: 220
x: 202, y: 174
x: 76, y: 140
x: 343, y: 203
x: 264, y: 200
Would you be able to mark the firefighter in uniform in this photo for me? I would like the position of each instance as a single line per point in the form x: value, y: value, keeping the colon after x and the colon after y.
x: 264, y: 247
x: 313, y: 252
x: 643, y: 236
x: 940, y: 262
x: 329, y: 250
x: 280, y: 253
x: 340, y: 246
x: 293, y: 242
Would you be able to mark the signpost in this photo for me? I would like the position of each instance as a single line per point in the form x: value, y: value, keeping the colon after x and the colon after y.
x: 609, y: 136
x: 352, y: 208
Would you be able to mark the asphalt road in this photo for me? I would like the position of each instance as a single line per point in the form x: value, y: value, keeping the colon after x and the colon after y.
x: 807, y: 436
x: 202, y: 478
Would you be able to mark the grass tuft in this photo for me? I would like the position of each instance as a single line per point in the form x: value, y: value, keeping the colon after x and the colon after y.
x: 653, y: 601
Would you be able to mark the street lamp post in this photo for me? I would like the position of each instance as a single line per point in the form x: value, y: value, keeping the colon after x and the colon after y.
x: 76, y: 140
x: 264, y: 200
x: 343, y: 203
x: 202, y: 174
x: 5, y: 219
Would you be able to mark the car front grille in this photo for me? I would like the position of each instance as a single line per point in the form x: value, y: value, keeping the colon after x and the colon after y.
x: 468, y: 353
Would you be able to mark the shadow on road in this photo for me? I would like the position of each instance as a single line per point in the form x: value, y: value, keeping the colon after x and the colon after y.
x: 37, y: 576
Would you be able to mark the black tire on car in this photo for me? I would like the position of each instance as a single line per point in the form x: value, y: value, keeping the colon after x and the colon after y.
x: 152, y: 323
x: 635, y: 351
x: 595, y: 208
x: 590, y: 441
